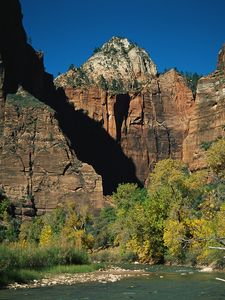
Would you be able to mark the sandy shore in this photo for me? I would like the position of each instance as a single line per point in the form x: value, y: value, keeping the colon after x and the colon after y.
x: 101, y: 276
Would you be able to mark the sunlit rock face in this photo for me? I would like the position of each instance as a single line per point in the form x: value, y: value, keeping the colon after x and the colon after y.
x: 120, y: 59
x: 207, y: 121
x: 118, y: 64
x: 150, y: 116
x: 104, y: 123
x: 146, y: 114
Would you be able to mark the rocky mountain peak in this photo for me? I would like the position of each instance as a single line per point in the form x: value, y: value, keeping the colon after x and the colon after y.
x: 120, y: 59
x: 118, y: 65
x: 118, y: 43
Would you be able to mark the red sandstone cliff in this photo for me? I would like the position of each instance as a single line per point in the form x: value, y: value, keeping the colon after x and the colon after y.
x: 107, y: 122
x: 149, y: 125
x: 157, y: 119
x: 208, y: 116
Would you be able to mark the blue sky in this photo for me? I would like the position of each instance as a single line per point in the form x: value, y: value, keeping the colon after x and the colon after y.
x: 186, y: 34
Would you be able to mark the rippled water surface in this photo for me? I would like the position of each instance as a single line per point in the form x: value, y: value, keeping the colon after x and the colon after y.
x: 162, y: 283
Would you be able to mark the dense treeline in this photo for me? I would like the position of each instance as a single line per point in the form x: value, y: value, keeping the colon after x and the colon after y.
x: 180, y: 215
x: 175, y: 219
x: 191, y: 80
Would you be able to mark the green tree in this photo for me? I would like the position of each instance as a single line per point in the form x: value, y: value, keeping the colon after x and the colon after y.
x: 96, y: 50
x: 127, y: 195
x: 136, y: 85
x: 117, y: 86
x: 175, y: 194
x: 30, y: 231
x: 56, y: 220
x: 103, y: 83
x: 192, y: 80
x: 102, y: 229
x: 74, y: 232
x: 135, y: 228
x: 9, y: 226
x: 72, y: 67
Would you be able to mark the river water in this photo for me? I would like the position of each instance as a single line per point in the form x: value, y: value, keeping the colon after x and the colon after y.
x: 162, y: 283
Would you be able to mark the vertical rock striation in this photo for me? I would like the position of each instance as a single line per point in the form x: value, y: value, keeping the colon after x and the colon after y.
x: 147, y: 115
x: 39, y: 168
x: 207, y: 121
x: 150, y: 117
x: 105, y: 123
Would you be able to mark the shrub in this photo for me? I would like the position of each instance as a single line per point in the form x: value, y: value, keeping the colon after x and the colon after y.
x: 192, y: 80
x: 97, y: 49
x: 113, y: 255
x: 206, y: 145
x: 216, y: 157
x: 23, y: 100
x: 32, y: 257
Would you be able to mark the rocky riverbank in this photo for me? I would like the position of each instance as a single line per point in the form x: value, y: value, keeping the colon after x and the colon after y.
x: 101, y: 276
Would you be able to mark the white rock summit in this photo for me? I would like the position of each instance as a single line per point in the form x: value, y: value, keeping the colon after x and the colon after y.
x: 120, y: 59
x: 118, y: 64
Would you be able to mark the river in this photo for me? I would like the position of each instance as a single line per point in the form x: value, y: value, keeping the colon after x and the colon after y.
x: 162, y: 283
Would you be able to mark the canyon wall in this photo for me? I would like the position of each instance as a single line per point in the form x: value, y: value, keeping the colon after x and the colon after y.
x: 39, y: 168
x: 105, y: 123
x: 207, y: 121
x: 161, y: 119
x: 148, y: 125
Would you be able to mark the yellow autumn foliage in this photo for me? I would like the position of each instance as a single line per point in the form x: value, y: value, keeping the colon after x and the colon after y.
x: 46, y: 236
x: 174, y: 236
x: 216, y: 157
x: 141, y: 249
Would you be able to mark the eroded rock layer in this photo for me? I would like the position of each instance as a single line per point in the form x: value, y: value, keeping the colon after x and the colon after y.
x: 207, y: 122
x: 149, y: 125
x: 156, y: 119
x: 38, y: 166
x: 105, y: 123
x: 39, y: 170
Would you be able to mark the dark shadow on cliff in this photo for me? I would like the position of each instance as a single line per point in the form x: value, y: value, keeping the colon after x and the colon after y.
x: 121, y: 108
x: 91, y: 143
